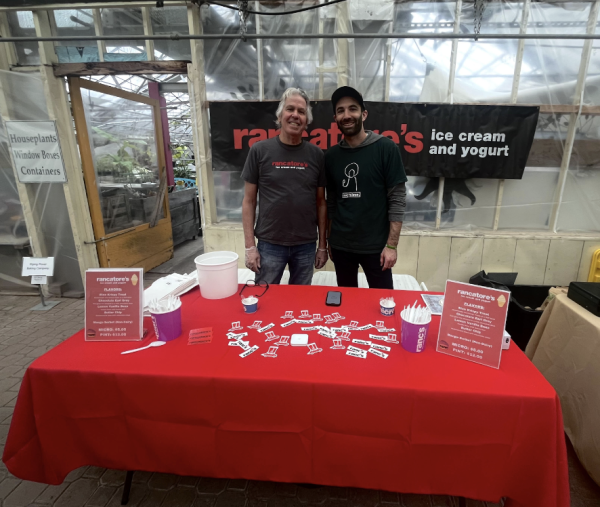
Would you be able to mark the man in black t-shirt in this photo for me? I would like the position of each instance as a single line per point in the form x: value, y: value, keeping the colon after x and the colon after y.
x: 288, y: 175
x: 366, y: 196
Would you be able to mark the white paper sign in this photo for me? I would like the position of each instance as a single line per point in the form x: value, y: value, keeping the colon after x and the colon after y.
x: 38, y: 266
x: 39, y: 280
x: 36, y: 151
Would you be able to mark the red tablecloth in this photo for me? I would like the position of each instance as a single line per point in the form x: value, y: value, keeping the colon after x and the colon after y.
x: 417, y: 423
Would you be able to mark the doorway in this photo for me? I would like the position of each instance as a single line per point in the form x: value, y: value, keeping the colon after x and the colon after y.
x: 121, y: 144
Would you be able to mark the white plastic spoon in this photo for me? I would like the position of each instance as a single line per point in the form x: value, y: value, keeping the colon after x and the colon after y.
x: 153, y: 344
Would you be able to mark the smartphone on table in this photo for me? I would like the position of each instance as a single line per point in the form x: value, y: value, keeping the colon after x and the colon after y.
x: 334, y: 298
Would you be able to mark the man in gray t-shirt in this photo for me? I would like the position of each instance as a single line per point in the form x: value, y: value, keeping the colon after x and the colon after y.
x: 289, y: 176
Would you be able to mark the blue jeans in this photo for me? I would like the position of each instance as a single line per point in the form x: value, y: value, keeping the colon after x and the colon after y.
x: 273, y: 259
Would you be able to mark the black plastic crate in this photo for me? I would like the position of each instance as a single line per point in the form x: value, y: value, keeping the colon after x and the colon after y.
x: 522, y: 316
x: 521, y: 321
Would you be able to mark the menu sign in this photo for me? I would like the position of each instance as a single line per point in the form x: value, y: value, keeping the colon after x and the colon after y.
x: 472, y: 324
x: 114, y: 304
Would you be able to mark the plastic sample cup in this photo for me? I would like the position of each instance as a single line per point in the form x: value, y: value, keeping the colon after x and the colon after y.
x: 167, y: 325
x: 388, y: 308
x: 414, y: 336
x: 250, y: 304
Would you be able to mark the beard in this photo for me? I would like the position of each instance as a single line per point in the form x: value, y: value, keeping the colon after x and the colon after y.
x: 352, y: 130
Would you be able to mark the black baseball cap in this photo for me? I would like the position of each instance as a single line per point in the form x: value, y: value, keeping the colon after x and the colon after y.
x: 346, y: 91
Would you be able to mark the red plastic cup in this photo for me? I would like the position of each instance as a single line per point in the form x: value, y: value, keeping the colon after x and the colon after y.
x: 167, y: 325
x: 414, y: 336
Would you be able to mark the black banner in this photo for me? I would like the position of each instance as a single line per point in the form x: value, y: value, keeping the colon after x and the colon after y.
x: 455, y: 141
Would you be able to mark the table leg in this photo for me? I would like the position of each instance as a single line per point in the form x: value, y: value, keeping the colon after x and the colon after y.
x: 462, y: 501
x: 127, y: 487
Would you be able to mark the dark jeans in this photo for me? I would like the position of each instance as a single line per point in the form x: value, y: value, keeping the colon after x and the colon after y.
x: 273, y: 259
x: 346, y: 269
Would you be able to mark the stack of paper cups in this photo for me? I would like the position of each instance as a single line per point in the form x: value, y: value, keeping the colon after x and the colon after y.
x: 414, y: 336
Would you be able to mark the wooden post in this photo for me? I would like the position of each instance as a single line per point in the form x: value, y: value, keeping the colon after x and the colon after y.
x: 60, y: 111
x: 154, y: 93
x: 99, y: 31
x: 148, y: 31
x: 8, y: 54
x: 343, y: 25
x: 200, y: 123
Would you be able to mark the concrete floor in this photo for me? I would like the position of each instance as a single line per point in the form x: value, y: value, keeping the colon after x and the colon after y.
x: 26, y: 334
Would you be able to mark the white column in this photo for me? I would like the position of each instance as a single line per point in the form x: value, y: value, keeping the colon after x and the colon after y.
x: 513, y: 98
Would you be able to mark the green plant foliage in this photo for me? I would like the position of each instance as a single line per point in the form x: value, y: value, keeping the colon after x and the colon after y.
x: 131, y: 162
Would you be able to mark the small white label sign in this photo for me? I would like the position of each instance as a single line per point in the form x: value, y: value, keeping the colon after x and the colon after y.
x: 39, y: 280
x: 36, y: 151
x: 38, y: 266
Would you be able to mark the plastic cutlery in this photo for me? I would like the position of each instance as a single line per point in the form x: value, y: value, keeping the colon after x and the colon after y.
x: 153, y: 344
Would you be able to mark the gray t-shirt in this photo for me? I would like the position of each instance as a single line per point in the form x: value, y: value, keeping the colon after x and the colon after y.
x: 287, y: 178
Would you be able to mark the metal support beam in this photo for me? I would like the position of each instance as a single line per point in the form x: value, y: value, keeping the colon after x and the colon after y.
x: 574, y: 117
x: 342, y: 36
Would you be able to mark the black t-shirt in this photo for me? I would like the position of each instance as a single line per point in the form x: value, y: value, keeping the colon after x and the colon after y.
x: 287, y: 178
x: 359, y: 179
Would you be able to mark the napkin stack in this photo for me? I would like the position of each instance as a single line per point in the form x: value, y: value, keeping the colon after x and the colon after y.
x: 170, y: 285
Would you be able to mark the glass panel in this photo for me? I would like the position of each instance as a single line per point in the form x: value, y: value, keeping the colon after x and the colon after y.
x: 485, y: 69
x: 370, y: 59
x: 21, y: 24
x: 74, y: 22
x: 290, y: 62
x: 123, y: 143
x: 25, y: 99
x: 469, y: 204
x: 124, y: 22
x: 229, y: 192
x: 591, y: 96
x: 550, y: 67
x: 230, y: 66
x: 421, y: 204
x: 527, y: 203
x: 580, y: 205
x: 420, y: 68
x: 171, y: 20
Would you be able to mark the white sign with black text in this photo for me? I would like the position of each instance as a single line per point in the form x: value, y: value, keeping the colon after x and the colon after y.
x: 36, y: 151
x: 33, y: 266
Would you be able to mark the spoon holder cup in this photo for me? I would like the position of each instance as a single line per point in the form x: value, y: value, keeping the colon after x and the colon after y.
x: 167, y: 325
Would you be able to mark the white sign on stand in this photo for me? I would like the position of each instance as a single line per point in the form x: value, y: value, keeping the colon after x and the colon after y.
x: 33, y: 266
x: 36, y: 151
x: 39, y: 280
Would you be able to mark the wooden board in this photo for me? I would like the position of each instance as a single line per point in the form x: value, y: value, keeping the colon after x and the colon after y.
x: 115, y: 68
x: 138, y: 248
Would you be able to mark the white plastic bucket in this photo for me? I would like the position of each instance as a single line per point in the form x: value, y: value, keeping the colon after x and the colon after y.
x: 217, y: 274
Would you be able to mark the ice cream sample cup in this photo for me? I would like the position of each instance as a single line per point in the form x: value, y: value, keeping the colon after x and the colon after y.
x: 167, y: 325
x: 387, y: 306
x: 250, y: 304
x: 413, y: 336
